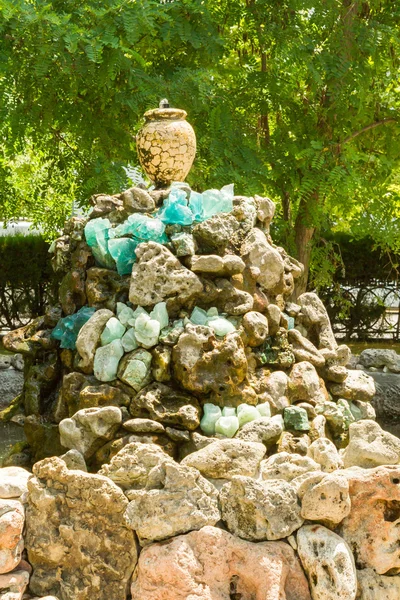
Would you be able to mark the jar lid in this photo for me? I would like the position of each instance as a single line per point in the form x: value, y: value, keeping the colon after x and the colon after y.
x: 172, y: 114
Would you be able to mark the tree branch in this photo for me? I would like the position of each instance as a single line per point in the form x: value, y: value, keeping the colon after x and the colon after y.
x: 364, y: 129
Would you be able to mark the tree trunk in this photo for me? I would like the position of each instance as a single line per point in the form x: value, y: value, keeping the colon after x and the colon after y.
x: 304, y: 231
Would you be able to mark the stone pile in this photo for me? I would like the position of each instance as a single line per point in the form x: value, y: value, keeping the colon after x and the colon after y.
x: 193, y: 432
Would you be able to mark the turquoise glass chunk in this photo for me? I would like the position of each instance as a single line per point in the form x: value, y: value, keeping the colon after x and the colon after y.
x: 160, y: 314
x: 124, y: 313
x: 147, y: 331
x: 196, y: 206
x: 217, y: 201
x: 67, y: 328
x: 221, y: 326
x: 114, y: 330
x: 290, y: 321
x: 229, y: 411
x: 212, y: 312
x: 199, y: 316
x: 227, y: 426
x: 247, y: 413
x: 106, y: 360
x: 97, y: 236
x: 122, y: 251
x: 264, y: 409
x: 129, y: 341
x: 142, y: 228
x: 211, y: 415
x: 175, y: 210
x: 136, y: 313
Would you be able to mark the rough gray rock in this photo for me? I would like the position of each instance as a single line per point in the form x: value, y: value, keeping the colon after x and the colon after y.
x: 379, y: 358
x: 386, y: 401
x: 74, y: 519
x: 264, y: 262
x: 314, y: 318
x: 256, y: 510
x: 158, y: 276
x: 11, y: 384
x: 130, y: 468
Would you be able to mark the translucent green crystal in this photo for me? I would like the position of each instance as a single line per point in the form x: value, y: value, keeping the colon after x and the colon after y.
x: 221, y: 326
x: 122, y: 251
x: 142, y: 228
x: 67, y: 328
x: 175, y: 209
x: 129, y: 340
x: 137, y: 369
x: 114, y: 330
x: 247, y: 413
x: 211, y: 415
x: 124, y: 313
x: 264, y: 409
x: 295, y: 417
x: 97, y: 236
x: 199, y: 316
x: 212, y: 312
x: 147, y: 331
x: 215, y: 201
x: 106, y: 360
x: 229, y: 411
x: 227, y: 426
x: 160, y: 314
x: 138, y: 311
x: 196, y: 206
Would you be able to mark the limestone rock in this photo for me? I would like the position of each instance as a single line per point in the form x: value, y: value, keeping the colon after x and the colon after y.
x: 89, y: 338
x: 230, y: 264
x: 304, y: 350
x: 314, y: 318
x: 203, y: 364
x: 256, y: 510
x: 167, y: 405
x: 11, y: 542
x: 74, y: 460
x: 305, y: 384
x: 137, y: 200
x: 130, y: 468
x: 13, y: 482
x: 379, y: 358
x: 143, y: 426
x: 326, y: 500
x: 328, y: 563
x: 175, y: 500
x: 216, y: 233
x: 324, y: 452
x: 255, y: 325
x: 89, y: 429
x: 287, y: 466
x: 370, y: 446
x: 13, y: 585
x: 189, y: 566
x: 294, y: 444
x: 223, y: 459
x: 275, y: 386
x: 357, y: 386
x: 371, y: 528
x: 372, y: 586
x: 158, y: 276
x: 264, y: 431
x: 104, y: 288
x: 264, y: 261
x: 73, y: 521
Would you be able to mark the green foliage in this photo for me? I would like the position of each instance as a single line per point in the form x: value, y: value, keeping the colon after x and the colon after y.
x: 295, y: 99
x: 27, y: 282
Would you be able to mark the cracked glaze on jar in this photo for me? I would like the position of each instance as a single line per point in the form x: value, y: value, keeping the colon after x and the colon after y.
x: 166, y: 145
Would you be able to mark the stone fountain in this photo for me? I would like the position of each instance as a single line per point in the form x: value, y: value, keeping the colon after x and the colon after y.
x: 193, y: 434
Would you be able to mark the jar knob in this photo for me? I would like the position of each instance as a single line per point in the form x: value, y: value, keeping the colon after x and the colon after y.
x: 164, y: 103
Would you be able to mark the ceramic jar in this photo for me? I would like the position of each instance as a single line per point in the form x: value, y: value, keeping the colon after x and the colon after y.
x: 166, y: 145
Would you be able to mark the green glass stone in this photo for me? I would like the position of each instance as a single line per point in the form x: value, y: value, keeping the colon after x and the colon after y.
x: 106, y: 360
x: 175, y: 209
x: 122, y: 251
x: 199, y: 316
x: 229, y: 411
x: 211, y: 415
x: 160, y: 314
x: 196, y: 206
x: 138, y: 311
x: 247, y: 413
x: 295, y: 417
x: 136, y: 370
x: 221, y: 326
x: 183, y: 244
x: 147, y: 331
x: 97, y: 236
x: 212, y: 312
x: 264, y: 409
x: 217, y: 201
x: 227, y: 426
x: 67, y: 328
x: 124, y: 313
x: 129, y: 341
x: 142, y: 228
x: 114, y: 330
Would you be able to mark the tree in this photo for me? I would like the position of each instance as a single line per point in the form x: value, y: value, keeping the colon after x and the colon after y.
x: 297, y: 99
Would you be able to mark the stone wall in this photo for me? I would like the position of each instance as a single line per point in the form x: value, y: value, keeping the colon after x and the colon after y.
x: 193, y: 433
